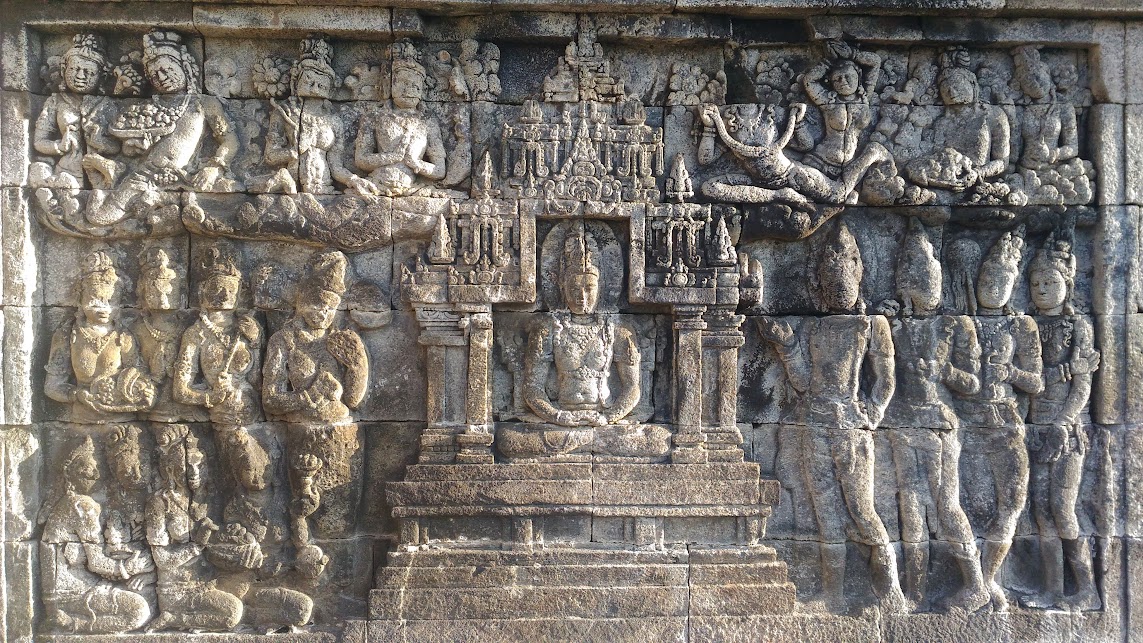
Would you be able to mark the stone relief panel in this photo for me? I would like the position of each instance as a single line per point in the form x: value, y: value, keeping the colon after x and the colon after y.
x: 326, y: 323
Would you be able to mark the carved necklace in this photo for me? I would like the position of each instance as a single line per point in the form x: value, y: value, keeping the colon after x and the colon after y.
x: 96, y: 342
x: 223, y: 338
x: 163, y: 341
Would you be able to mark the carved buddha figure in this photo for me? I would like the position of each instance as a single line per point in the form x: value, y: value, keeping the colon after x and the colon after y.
x: 71, y: 124
x: 165, y: 134
x: 178, y: 529
x: 94, y: 363
x: 314, y: 375
x: 970, y: 140
x: 1050, y: 169
x: 1010, y: 361
x: 401, y: 148
x: 1058, y: 429
x: 581, y: 373
x: 305, y: 135
x: 842, y: 367
x: 78, y: 578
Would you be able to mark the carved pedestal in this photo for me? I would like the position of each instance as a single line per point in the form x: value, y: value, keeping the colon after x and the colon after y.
x: 531, y: 550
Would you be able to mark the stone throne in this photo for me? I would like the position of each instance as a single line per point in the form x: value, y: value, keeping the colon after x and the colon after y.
x: 579, y: 519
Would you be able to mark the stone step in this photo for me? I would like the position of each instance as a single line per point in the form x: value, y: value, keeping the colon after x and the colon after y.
x: 734, y: 574
x: 742, y: 600
x: 614, y: 630
x: 534, y: 575
x: 540, y: 556
x: 527, y: 602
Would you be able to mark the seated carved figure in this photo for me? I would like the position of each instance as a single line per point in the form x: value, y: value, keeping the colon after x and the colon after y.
x: 400, y: 148
x: 79, y: 578
x: 970, y: 142
x: 773, y: 176
x: 1050, y: 170
x: 305, y: 136
x: 164, y: 135
x: 71, y: 124
x: 178, y: 530
x: 595, y: 359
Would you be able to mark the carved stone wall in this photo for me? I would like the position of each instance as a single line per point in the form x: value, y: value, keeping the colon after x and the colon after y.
x: 732, y: 321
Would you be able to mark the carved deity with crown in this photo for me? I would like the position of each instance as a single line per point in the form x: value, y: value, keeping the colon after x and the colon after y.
x: 581, y: 374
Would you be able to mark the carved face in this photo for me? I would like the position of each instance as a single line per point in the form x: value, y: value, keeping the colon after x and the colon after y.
x: 958, y: 87
x: 194, y: 469
x: 845, y: 79
x: 1049, y: 289
x: 97, y: 304
x: 125, y: 467
x: 250, y: 469
x: 81, y: 74
x: 156, y: 293
x: 166, y: 75
x: 84, y: 474
x: 995, y: 285
x: 317, y: 311
x: 581, y: 292
x: 1036, y: 82
x: 408, y: 89
x: 840, y: 282
x: 219, y: 293
x: 313, y: 84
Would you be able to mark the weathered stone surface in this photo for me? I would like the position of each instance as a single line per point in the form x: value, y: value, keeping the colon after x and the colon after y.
x: 669, y: 320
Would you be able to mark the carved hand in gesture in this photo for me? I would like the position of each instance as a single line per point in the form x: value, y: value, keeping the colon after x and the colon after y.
x: 1083, y: 364
x: 325, y: 388
x: 1055, y: 443
x: 364, y: 187
x: 776, y: 331
x: 138, y: 563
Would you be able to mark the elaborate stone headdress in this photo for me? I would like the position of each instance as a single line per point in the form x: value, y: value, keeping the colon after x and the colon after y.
x: 841, y: 249
x: 839, y: 256
x: 1005, y: 253
x: 580, y: 253
x: 405, y: 57
x: 97, y: 274
x: 325, y: 275
x: 158, y: 44
x: 1056, y: 254
x: 954, y: 62
x: 1027, y: 64
x: 89, y: 46
x: 220, y: 266
x: 316, y: 54
x: 155, y: 265
x: 122, y: 446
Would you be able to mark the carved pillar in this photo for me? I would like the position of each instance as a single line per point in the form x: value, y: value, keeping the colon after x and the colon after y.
x: 689, y: 439
x: 721, y: 342
x: 475, y: 443
x: 458, y: 344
